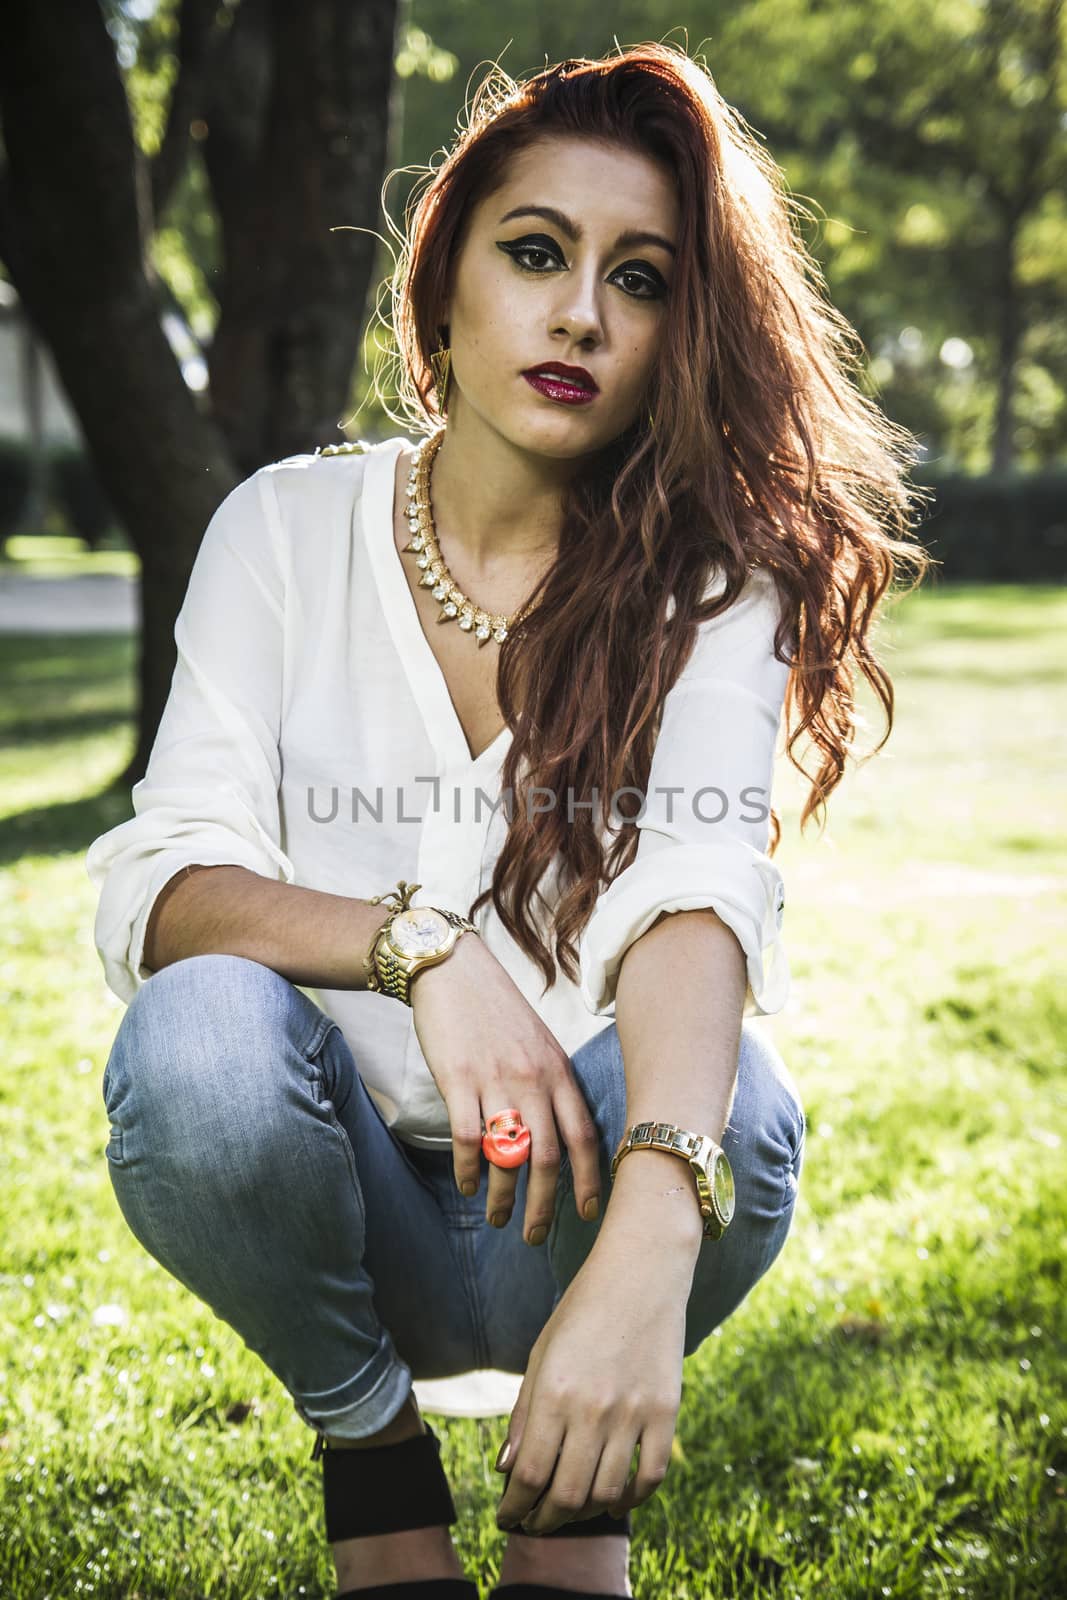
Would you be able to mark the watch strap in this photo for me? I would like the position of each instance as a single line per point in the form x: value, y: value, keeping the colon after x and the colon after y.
x: 386, y: 972
x: 393, y: 978
x: 696, y: 1149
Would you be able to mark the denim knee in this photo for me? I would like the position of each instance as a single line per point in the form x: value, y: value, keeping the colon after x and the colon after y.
x: 195, y: 1066
x: 764, y: 1143
x: 766, y: 1126
x: 790, y: 1121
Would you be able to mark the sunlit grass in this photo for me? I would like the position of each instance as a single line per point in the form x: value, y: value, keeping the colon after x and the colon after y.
x: 884, y: 1416
x: 46, y: 555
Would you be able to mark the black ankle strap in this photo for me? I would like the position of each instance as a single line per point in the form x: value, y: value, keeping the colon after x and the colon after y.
x: 590, y: 1527
x: 386, y: 1488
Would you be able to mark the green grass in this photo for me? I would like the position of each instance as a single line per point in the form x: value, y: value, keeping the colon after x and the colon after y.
x: 885, y: 1414
x: 60, y: 556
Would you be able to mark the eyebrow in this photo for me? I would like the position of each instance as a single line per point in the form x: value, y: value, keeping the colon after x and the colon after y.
x: 632, y: 236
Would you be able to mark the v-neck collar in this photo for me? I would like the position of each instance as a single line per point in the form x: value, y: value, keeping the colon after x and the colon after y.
x: 427, y: 682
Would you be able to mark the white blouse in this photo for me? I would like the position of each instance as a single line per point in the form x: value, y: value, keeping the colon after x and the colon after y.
x: 310, y: 736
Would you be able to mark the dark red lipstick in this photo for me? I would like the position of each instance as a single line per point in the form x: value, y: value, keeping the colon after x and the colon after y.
x: 555, y: 380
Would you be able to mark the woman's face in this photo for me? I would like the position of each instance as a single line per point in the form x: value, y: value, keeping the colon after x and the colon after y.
x: 530, y: 289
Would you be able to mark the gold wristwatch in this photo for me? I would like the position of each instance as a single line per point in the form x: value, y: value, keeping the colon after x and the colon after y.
x: 410, y: 938
x: 711, y: 1168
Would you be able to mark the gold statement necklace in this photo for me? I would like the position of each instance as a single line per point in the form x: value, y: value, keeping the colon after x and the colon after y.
x: 454, y: 604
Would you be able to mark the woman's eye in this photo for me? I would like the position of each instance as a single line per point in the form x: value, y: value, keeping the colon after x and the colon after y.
x: 537, y: 250
x: 652, y: 289
x: 518, y: 251
x: 647, y: 287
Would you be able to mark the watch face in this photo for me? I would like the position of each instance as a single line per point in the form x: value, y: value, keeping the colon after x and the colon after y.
x: 722, y: 1183
x: 419, y: 931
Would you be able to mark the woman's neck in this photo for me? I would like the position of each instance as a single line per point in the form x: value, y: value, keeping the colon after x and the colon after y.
x: 499, y: 505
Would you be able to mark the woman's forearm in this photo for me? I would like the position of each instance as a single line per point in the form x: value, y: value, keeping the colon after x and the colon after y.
x: 679, y: 1001
x: 678, y: 1006
x: 314, y: 939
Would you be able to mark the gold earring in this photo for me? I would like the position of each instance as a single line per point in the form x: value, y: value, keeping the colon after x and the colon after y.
x: 441, y: 362
x: 651, y: 422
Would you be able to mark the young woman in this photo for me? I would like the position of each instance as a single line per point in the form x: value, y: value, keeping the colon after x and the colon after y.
x: 529, y: 666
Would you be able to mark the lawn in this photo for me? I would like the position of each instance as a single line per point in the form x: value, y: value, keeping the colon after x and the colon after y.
x: 45, y: 555
x: 884, y: 1416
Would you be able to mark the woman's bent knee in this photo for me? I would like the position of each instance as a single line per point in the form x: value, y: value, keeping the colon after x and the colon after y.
x: 764, y: 1143
x: 206, y: 1012
x: 197, y: 1059
x: 767, y: 1116
x: 211, y: 985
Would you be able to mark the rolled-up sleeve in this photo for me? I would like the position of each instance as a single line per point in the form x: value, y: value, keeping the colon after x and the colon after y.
x: 210, y: 790
x: 704, y: 831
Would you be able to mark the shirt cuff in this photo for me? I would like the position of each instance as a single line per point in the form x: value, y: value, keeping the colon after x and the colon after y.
x: 160, y: 842
x: 740, y: 884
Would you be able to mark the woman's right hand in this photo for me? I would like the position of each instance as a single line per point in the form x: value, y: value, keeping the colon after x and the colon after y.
x: 487, y: 1049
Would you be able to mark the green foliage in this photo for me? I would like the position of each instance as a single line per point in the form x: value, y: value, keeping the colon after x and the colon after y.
x: 186, y: 250
x: 883, y: 1416
x: 909, y: 132
x: 146, y: 43
x: 418, y: 54
x: 933, y: 141
x: 929, y: 145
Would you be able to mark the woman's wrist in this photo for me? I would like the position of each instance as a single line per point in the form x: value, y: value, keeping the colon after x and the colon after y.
x: 654, y: 1200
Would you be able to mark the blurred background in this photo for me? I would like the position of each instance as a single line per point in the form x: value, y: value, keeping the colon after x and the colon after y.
x: 194, y: 246
x: 194, y: 252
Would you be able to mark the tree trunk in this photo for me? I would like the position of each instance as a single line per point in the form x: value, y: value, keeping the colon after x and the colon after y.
x: 83, y: 280
x: 31, y: 381
x: 1007, y: 349
x: 291, y: 307
x: 302, y: 152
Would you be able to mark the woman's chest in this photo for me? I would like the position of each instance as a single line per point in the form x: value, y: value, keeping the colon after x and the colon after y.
x: 470, y: 675
x: 467, y: 666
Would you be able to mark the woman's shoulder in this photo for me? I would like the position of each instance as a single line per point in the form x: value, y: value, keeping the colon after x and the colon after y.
x: 743, y: 629
x: 312, y: 481
x: 760, y: 597
x: 327, y: 461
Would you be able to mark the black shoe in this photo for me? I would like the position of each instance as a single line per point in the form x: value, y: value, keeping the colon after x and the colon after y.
x: 536, y: 1591
x: 387, y: 1489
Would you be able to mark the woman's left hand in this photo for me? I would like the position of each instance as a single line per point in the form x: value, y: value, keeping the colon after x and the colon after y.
x: 604, y: 1375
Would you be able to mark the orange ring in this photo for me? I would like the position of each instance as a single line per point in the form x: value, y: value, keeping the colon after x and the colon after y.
x: 506, y: 1141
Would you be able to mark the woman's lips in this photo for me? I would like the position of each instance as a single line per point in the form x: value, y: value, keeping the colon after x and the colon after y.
x: 571, y: 394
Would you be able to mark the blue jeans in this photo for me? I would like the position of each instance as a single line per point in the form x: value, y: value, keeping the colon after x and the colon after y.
x: 248, y: 1158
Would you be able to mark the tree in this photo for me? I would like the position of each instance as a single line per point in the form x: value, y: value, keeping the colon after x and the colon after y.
x: 954, y: 119
x: 289, y: 102
x: 931, y: 141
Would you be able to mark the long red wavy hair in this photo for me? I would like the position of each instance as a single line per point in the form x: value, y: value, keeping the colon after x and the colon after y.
x: 763, y: 451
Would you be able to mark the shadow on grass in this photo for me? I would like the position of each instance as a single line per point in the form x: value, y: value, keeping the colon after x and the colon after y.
x: 58, y: 660
x: 66, y: 828
x: 59, y: 692
x: 54, y: 727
